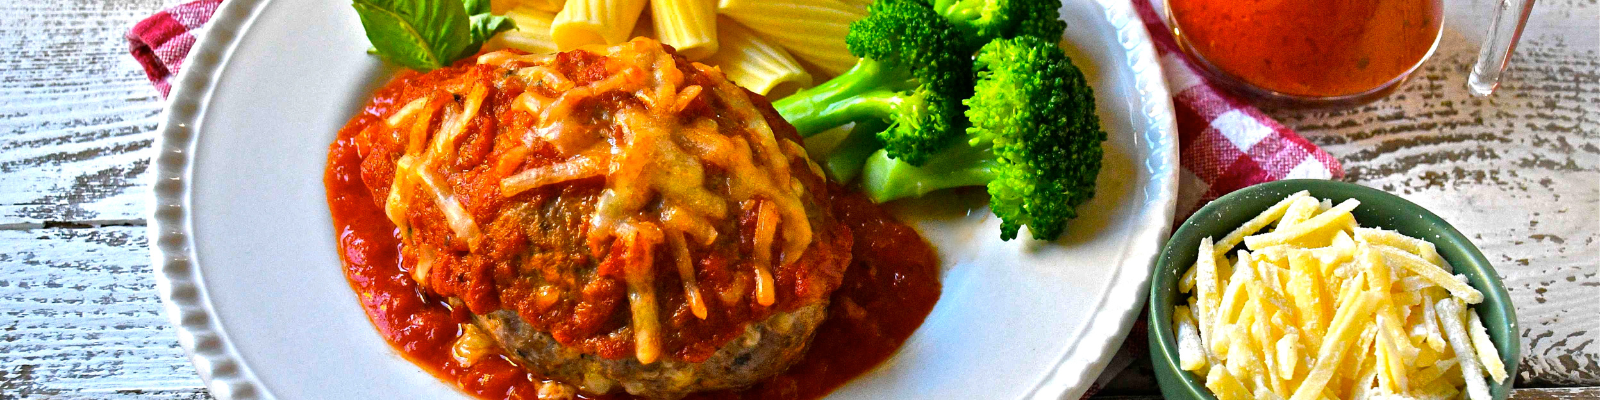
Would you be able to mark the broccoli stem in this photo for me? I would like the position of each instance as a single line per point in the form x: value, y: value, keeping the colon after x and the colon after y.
x: 851, y: 153
x: 886, y: 179
x: 867, y: 90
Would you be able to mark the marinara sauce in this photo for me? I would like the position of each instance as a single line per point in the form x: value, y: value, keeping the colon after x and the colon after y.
x: 1309, y: 48
x: 889, y: 288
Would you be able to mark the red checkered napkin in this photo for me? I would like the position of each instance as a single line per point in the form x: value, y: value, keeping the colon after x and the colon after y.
x: 1224, y: 143
x: 161, y: 42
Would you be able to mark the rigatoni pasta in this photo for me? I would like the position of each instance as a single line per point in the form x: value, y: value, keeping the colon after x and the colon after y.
x: 690, y: 26
x: 590, y: 22
x: 813, y: 30
x: 532, y: 33
x: 862, y: 4
x: 501, y: 6
x: 752, y: 62
x: 550, y: 6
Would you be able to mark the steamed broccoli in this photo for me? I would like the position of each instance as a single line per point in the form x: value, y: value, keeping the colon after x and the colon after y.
x: 912, y: 74
x: 981, y: 21
x: 849, y: 153
x: 1034, y: 141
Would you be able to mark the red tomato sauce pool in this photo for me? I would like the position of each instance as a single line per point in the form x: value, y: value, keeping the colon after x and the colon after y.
x: 889, y: 288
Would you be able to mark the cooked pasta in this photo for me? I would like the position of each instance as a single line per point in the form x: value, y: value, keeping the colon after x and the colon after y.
x: 550, y: 6
x: 758, y: 65
x: 862, y: 4
x: 645, y: 27
x: 688, y: 25
x: 587, y: 22
x: 501, y: 6
x: 813, y: 30
x: 532, y: 34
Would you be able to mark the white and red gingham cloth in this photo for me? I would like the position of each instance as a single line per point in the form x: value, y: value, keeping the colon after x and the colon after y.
x: 1224, y: 143
x: 160, y: 42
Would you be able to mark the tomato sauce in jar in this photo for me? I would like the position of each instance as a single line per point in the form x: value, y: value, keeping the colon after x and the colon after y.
x: 1308, y: 48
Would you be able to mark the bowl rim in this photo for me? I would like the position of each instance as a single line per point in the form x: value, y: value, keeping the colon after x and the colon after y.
x: 1165, y: 275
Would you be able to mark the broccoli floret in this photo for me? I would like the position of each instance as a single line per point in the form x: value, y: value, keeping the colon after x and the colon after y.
x: 1039, y: 18
x: 981, y: 21
x: 1034, y: 141
x: 912, y: 74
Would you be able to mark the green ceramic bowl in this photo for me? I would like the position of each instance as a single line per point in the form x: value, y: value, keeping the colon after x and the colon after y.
x: 1377, y: 209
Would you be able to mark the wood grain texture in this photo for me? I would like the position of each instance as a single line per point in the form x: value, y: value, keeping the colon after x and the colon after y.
x: 81, y: 316
x: 76, y: 113
x: 1519, y: 172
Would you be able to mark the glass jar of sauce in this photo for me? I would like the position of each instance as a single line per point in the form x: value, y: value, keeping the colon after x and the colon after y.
x: 1308, y: 52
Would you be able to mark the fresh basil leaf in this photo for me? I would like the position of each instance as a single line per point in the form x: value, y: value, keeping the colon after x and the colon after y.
x: 475, y: 7
x: 484, y: 26
x: 420, y: 34
x: 395, y: 39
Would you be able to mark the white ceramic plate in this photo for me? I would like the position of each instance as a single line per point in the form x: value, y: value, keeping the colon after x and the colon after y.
x: 246, y: 264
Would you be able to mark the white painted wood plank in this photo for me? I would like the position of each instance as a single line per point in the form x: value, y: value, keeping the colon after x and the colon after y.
x: 80, y: 316
x: 76, y: 113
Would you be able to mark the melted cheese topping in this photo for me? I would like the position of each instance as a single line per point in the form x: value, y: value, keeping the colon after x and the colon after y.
x: 417, y: 167
x: 472, y: 345
x: 659, y: 190
x: 691, y: 286
x: 766, y: 227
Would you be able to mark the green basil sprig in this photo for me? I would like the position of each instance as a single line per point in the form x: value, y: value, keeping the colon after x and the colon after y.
x: 428, y: 34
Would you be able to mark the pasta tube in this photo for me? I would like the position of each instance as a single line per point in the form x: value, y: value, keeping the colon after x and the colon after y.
x: 549, y: 6
x: 813, y: 30
x: 862, y: 4
x: 532, y: 34
x: 756, y: 64
x: 590, y: 22
x: 690, y: 26
x: 501, y: 6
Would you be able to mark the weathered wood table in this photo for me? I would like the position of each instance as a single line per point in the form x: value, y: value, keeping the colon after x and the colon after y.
x: 1518, y: 172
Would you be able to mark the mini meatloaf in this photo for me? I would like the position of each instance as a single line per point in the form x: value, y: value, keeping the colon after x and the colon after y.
x: 613, y: 217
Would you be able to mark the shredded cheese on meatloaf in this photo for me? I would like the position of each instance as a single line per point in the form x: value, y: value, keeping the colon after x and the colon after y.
x: 657, y: 194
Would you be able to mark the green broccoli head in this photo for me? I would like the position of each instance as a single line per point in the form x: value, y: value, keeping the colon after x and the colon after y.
x: 1034, y: 142
x: 980, y: 21
x: 1036, y: 111
x: 1039, y: 18
x: 921, y: 121
x: 909, y: 36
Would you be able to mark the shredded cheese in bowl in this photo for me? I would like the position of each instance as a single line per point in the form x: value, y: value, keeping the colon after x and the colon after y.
x: 1319, y: 307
